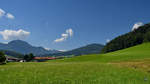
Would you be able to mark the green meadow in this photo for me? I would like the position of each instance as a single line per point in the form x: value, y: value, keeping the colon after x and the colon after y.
x: 139, y: 52
x: 128, y: 66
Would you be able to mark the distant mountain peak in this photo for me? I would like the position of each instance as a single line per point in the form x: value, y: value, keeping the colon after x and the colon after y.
x: 88, y: 49
x: 18, y: 41
x: 25, y: 48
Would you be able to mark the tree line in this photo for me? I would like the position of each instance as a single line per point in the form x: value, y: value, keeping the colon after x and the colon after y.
x: 135, y: 37
x: 26, y: 57
x: 2, y: 58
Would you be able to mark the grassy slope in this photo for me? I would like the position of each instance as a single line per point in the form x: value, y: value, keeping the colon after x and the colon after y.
x: 88, y: 69
x: 139, y: 52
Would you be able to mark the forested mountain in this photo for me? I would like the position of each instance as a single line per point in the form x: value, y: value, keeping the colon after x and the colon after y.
x: 88, y: 49
x: 135, y: 37
x: 13, y: 54
x: 25, y: 48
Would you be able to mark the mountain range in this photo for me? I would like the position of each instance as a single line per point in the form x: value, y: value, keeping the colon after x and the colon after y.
x: 17, y: 48
x: 23, y: 47
x: 88, y: 49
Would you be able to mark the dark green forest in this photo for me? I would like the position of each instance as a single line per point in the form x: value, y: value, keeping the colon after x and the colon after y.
x: 2, y: 58
x: 135, y: 37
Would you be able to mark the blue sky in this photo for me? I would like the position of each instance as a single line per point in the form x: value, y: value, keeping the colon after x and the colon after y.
x: 91, y: 21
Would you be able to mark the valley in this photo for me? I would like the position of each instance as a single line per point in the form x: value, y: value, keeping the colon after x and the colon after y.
x: 74, y: 42
x: 128, y: 66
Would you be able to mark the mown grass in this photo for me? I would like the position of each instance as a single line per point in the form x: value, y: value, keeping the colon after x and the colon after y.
x: 112, y: 68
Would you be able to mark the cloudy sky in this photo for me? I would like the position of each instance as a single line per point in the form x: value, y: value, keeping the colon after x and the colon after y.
x: 68, y: 24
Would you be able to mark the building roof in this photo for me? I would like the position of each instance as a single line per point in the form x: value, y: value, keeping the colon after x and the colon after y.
x: 44, y: 58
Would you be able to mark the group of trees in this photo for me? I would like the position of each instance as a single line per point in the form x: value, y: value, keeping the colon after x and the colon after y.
x: 29, y: 57
x: 135, y: 37
x: 2, y: 58
x: 12, y: 53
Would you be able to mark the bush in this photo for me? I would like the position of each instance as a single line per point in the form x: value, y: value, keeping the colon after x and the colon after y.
x: 2, y: 58
x: 29, y: 57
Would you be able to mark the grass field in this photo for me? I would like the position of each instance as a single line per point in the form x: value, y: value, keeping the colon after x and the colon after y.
x: 128, y: 66
x: 139, y: 52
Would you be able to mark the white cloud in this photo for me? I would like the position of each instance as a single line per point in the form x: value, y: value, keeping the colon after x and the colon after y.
x: 107, y: 40
x: 2, y: 12
x: 70, y: 32
x: 63, y: 50
x: 137, y: 25
x: 5, y: 42
x: 64, y: 36
x: 59, y: 39
x: 14, y: 35
x: 47, y: 48
x: 10, y: 16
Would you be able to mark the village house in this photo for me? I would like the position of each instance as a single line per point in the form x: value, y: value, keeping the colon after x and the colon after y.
x: 12, y: 59
x: 40, y: 59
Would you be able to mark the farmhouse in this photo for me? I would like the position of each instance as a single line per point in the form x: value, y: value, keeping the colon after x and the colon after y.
x: 12, y: 59
x: 39, y: 59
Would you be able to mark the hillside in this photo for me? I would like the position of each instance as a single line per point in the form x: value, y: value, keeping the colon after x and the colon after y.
x: 13, y: 54
x: 86, y: 69
x: 136, y: 37
x: 25, y: 48
x: 88, y: 49
x: 139, y: 52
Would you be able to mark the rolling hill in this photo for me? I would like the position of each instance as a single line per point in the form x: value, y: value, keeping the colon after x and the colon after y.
x: 25, y: 48
x: 135, y: 37
x: 86, y: 69
x: 139, y: 52
x: 88, y: 49
x: 13, y: 54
